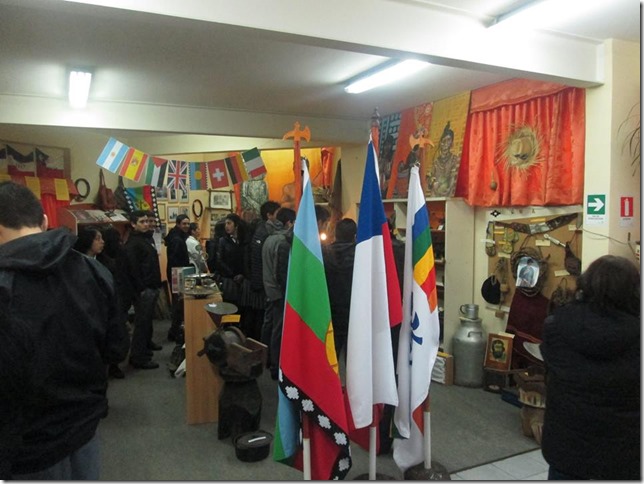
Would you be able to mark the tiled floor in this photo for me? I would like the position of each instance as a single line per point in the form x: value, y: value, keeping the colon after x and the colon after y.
x: 525, y: 467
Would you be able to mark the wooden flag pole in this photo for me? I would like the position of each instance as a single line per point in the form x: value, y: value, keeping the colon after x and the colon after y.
x: 296, y: 133
x: 306, y: 448
x: 375, y: 130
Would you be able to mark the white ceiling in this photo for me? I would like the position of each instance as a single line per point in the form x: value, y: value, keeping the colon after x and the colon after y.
x: 253, y: 67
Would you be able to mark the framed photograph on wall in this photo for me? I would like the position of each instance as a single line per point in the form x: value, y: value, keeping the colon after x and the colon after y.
x: 184, y: 210
x: 222, y: 200
x: 162, y: 193
x: 498, y: 354
x: 173, y: 213
x: 162, y: 211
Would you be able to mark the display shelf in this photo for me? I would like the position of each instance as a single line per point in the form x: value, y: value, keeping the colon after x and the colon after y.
x: 453, y: 247
x: 88, y: 214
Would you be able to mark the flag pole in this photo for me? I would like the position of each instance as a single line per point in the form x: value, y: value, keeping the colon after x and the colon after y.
x: 427, y: 433
x: 372, y: 450
x: 306, y: 448
x: 296, y: 133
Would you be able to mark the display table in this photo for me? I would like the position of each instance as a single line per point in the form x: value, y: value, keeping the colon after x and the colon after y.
x: 203, y: 383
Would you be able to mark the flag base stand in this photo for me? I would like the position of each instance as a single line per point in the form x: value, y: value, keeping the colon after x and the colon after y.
x: 379, y: 477
x: 419, y: 473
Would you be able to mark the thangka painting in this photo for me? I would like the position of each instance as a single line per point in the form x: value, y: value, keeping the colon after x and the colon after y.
x: 447, y: 132
x: 411, y: 148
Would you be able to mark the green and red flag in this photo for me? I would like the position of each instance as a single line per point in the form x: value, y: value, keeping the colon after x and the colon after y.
x: 309, y: 383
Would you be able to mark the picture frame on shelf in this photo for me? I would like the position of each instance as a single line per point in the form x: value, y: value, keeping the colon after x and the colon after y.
x: 498, y: 354
x: 221, y: 199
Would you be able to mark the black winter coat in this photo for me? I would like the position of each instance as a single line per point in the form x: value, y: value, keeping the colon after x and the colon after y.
x: 592, y: 420
x: 143, y: 263
x: 59, y: 328
x: 338, y: 267
x: 176, y: 250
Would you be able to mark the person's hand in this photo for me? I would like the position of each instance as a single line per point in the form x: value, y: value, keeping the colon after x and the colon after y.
x: 238, y: 278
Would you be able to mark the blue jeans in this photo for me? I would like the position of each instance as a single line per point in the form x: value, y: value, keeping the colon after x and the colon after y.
x: 81, y: 465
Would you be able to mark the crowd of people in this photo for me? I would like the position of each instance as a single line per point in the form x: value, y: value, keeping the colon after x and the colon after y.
x: 65, y: 303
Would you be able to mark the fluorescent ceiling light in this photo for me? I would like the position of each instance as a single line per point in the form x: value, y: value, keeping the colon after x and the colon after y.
x: 79, y: 82
x: 545, y: 13
x: 385, y: 76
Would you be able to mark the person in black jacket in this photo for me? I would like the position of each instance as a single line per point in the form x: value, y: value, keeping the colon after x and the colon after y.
x: 59, y: 330
x: 338, y: 267
x: 145, y: 279
x: 177, y: 256
x: 591, y: 349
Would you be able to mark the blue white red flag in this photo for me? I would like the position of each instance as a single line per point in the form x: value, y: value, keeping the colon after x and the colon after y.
x: 375, y: 306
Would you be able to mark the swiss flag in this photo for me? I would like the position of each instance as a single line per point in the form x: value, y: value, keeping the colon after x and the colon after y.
x: 217, y: 174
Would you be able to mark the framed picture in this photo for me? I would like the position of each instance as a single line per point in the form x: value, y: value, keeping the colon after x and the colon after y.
x: 184, y: 210
x: 221, y: 200
x: 498, y: 354
x: 173, y: 213
x: 162, y: 211
x: 162, y: 193
x: 173, y: 194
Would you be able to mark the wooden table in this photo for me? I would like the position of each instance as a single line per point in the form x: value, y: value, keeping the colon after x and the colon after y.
x: 203, y: 383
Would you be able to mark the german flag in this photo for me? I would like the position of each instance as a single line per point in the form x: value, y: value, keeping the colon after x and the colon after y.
x: 236, y: 169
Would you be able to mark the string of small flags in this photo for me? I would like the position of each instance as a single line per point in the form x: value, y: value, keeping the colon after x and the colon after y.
x: 136, y: 165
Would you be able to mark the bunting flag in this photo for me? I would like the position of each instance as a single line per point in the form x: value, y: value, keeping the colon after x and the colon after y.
x: 33, y: 183
x: 254, y: 163
x: 236, y: 170
x: 309, y: 382
x: 419, y: 334
x: 134, y: 164
x: 112, y: 155
x: 198, y: 176
x: 375, y: 306
x: 217, y: 174
x: 50, y: 165
x: 177, y: 174
x: 155, y: 172
x: 20, y: 164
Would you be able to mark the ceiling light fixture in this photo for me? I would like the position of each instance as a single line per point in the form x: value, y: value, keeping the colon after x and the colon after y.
x: 387, y: 75
x: 544, y: 13
x: 79, y: 82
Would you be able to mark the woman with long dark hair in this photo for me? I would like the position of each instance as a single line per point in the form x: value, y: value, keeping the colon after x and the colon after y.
x: 591, y: 349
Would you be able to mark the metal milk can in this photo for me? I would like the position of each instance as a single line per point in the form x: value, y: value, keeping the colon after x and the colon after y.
x: 468, y: 347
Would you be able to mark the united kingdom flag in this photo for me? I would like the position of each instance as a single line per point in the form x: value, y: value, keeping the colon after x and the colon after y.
x: 178, y: 175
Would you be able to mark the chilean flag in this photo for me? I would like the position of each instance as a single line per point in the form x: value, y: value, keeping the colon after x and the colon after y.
x: 375, y: 306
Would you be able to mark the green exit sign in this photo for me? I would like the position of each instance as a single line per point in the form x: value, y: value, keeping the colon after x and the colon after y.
x: 596, y: 204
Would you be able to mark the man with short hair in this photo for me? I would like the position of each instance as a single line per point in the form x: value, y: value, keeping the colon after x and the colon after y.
x: 145, y: 277
x: 177, y: 256
x: 59, y: 330
x: 275, y: 256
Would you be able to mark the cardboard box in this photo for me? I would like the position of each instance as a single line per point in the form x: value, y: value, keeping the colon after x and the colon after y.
x: 443, y: 371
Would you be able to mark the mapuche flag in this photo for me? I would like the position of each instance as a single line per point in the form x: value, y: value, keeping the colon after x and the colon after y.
x: 419, y: 334
x: 198, y: 176
x: 308, y: 379
x: 375, y: 306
